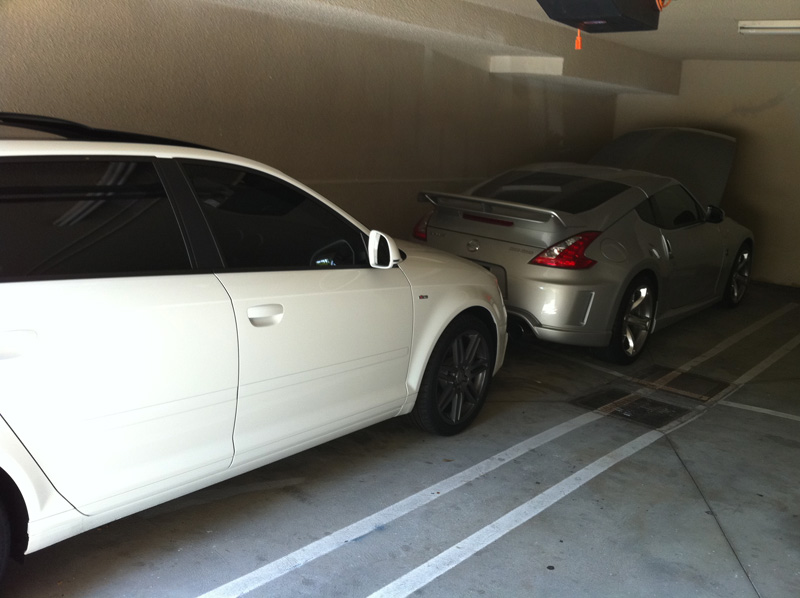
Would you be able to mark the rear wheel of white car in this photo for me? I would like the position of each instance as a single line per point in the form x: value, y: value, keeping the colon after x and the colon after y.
x: 739, y: 279
x: 456, y: 381
x: 634, y: 321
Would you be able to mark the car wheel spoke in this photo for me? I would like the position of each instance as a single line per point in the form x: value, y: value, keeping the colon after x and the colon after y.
x: 457, y: 351
x: 446, y: 396
x: 462, y: 376
x: 456, y: 406
x: 637, y: 321
x: 639, y: 297
x: 470, y: 355
x: 457, y: 378
x: 741, y: 276
x: 628, y: 343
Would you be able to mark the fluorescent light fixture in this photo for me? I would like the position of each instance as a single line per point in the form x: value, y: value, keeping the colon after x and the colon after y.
x: 784, y: 27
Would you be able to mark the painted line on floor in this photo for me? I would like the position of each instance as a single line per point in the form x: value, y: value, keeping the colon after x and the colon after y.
x: 262, y: 576
x: 758, y: 369
x: 761, y: 410
x: 732, y: 340
x: 686, y: 367
x: 769, y: 361
x: 437, y: 566
x: 450, y: 558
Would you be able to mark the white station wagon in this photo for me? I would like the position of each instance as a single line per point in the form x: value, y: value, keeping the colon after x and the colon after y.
x: 172, y: 316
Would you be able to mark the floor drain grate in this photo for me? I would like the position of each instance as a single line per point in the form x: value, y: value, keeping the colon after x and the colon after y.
x: 601, y: 398
x: 650, y: 412
x: 693, y: 386
x: 628, y: 405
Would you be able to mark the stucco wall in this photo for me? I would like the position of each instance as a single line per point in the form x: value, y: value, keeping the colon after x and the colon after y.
x: 367, y: 120
x: 759, y: 104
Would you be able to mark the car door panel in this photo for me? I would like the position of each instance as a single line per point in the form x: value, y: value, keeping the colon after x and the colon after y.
x: 118, y: 364
x: 311, y: 371
x: 139, y: 376
x: 695, y: 255
x: 298, y: 275
x: 693, y: 248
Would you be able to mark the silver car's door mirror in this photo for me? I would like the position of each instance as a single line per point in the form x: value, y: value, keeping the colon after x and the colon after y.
x: 714, y: 214
x: 383, y: 251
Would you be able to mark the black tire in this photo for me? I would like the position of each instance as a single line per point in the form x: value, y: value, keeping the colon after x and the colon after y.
x: 739, y: 278
x: 634, y: 322
x: 456, y: 379
x: 5, y: 539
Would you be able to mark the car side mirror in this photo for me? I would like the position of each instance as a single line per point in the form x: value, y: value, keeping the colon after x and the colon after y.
x: 714, y: 214
x: 383, y: 251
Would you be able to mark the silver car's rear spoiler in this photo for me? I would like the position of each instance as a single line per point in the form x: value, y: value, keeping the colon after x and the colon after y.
x: 493, y: 207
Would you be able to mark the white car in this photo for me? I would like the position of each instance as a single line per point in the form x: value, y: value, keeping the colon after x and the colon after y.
x: 173, y: 316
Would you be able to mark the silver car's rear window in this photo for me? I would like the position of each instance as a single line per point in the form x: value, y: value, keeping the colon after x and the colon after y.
x: 556, y: 191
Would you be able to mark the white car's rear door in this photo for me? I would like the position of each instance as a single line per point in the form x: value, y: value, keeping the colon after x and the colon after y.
x: 118, y: 366
x: 119, y: 388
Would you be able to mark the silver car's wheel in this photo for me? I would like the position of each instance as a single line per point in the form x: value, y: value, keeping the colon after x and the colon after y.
x: 739, y: 279
x: 456, y: 381
x: 634, y: 322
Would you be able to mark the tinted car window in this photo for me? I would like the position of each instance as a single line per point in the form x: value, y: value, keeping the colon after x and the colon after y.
x: 675, y: 208
x: 63, y: 218
x: 261, y: 222
x: 646, y: 213
x: 555, y: 191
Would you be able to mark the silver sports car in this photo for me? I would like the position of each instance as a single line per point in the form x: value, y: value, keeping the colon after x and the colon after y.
x: 598, y: 255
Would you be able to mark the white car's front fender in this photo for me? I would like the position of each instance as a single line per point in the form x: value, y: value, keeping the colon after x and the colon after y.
x: 444, y: 287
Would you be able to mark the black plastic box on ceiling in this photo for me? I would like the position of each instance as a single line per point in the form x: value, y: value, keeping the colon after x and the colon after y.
x: 604, y: 16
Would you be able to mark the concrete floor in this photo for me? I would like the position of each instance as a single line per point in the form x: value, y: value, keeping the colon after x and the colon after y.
x: 542, y: 496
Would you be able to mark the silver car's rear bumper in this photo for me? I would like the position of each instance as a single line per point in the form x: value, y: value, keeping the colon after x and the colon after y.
x: 565, y: 316
x: 555, y: 335
x: 575, y: 307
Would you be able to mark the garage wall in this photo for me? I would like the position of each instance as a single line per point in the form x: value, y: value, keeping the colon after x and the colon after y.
x: 367, y: 120
x: 759, y: 104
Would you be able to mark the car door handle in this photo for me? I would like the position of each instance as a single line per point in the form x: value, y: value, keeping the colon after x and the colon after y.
x: 15, y: 343
x: 265, y: 315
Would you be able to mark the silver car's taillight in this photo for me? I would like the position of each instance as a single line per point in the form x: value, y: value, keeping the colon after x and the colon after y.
x: 568, y: 253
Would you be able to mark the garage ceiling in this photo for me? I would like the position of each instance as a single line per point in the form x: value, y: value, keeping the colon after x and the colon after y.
x: 515, y: 38
x: 696, y: 29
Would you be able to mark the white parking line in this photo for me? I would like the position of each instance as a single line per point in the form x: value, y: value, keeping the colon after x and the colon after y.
x: 450, y: 558
x: 437, y: 566
x: 689, y: 365
x: 732, y: 340
x: 761, y: 410
x: 776, y: 356
x: 267, y: 573
x: 758, y: 369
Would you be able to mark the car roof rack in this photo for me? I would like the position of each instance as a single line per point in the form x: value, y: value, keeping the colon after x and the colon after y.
x: 79, y: 132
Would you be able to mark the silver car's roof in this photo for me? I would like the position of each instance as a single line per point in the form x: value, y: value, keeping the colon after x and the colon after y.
x: 701, y: 160
x: 604, y: 206
x: 648, y: 182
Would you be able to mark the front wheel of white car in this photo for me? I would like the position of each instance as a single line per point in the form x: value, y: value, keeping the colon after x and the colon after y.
x: 457, y: 377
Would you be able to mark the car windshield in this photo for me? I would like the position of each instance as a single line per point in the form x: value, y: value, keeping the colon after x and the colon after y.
x: 555, y: 191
